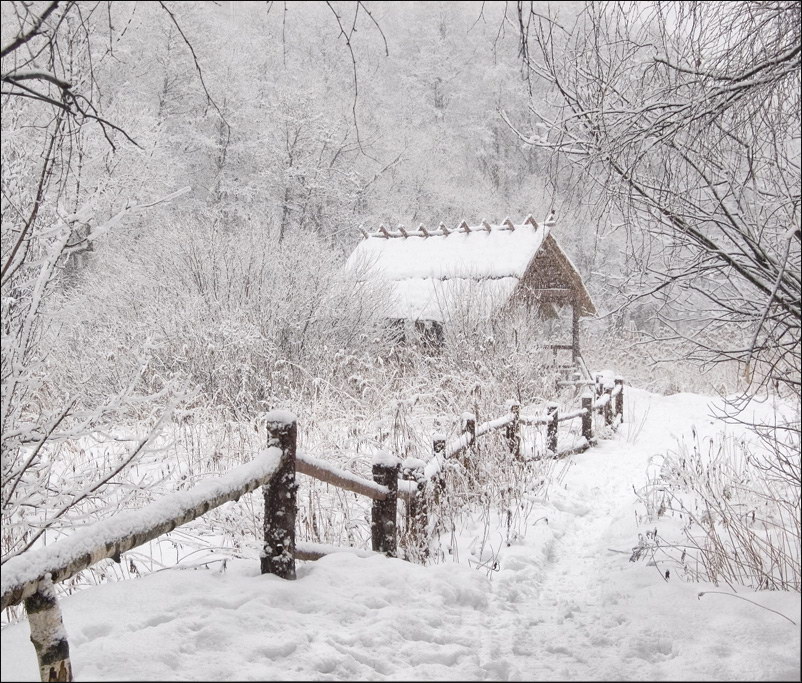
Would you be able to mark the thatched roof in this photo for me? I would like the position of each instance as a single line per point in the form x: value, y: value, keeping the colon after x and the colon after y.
x: 432, y: 274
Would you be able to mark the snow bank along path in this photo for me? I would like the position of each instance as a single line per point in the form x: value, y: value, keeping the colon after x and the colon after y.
x: 565, y: 604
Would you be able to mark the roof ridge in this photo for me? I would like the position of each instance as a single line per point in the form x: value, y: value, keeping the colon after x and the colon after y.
x: 507, y: 225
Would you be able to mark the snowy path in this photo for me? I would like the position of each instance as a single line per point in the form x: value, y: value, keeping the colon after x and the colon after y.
x: 598, y: 616
x: 566, y: 604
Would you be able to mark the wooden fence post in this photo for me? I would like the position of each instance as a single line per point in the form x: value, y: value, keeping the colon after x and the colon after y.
x: 383, y: 512
x: 587, y: 418
x: 608, y: 407
x: 551, y: 428
x: 439, y: 446
x: 619, y: 399
x: 417, y: 508
x: 439, y: 454
x: 47, y: 633
x: 513, y: 431
x: 470, y: 455
x: 469, y: 427
x: 278, y: 556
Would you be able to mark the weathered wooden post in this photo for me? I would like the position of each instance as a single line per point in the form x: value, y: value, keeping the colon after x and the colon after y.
x: 608, y: 407
x: 513, y: 430
x: 574, y: 331
x: 551, y: 428
x: 278, y: 556
x: 619, y: 398
x: 587, y: 417
x: 469, y: 427
x: 439, y: 446
x: 47, y: 633
x: 383, y: 532
x: 417, y: 507
x: 470, y: 454
x: 439, y: 454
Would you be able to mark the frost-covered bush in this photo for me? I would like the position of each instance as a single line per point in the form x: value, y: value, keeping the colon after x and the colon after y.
x: 237, y: 314
x: 728, y: 510
x: 398, y: 397
x: 240, y: 322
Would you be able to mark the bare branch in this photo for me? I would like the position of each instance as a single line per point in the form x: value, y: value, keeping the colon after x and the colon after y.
x: 23, y: 38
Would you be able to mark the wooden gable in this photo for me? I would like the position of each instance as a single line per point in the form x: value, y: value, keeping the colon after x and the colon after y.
x: 551, y: 278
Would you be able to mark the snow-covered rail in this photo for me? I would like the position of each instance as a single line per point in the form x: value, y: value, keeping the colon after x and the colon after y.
x: 111, y: 537
x: 320, y: 469
x: 610, y: 403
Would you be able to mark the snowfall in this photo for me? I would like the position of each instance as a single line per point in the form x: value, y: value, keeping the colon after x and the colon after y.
x: 564, y: 603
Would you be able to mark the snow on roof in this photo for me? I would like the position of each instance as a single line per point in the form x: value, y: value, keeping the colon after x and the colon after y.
x: 499, y: 252
x: 432, y: 299
x: 432, y: 272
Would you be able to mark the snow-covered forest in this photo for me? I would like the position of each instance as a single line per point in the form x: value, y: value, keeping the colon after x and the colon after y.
x: 207, y: 209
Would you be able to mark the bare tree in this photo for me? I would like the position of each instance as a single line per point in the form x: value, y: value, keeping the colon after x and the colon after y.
x: 51, y: 109
x: 686, y: 117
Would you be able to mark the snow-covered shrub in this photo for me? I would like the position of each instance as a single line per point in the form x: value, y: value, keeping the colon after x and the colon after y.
x: 240, y: 316
x: 728, y: 510
x: 240, y: 322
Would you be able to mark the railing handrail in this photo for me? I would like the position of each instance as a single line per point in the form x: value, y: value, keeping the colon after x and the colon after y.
x: 463, y: 441
x: 323, y: 471
x: 110, y: 537
x: 603, y: 404
x: 306, y: 550
x: 496, y: 423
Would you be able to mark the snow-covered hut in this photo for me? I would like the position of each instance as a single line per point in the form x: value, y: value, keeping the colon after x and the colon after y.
x: 436, y: 276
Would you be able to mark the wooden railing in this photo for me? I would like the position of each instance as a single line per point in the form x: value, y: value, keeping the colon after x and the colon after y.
x: 29, y: 578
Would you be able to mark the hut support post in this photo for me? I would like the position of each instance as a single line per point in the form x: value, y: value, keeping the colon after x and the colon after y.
x: 574, y: 332
x: 278, y: 556
x: 47, y: 633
